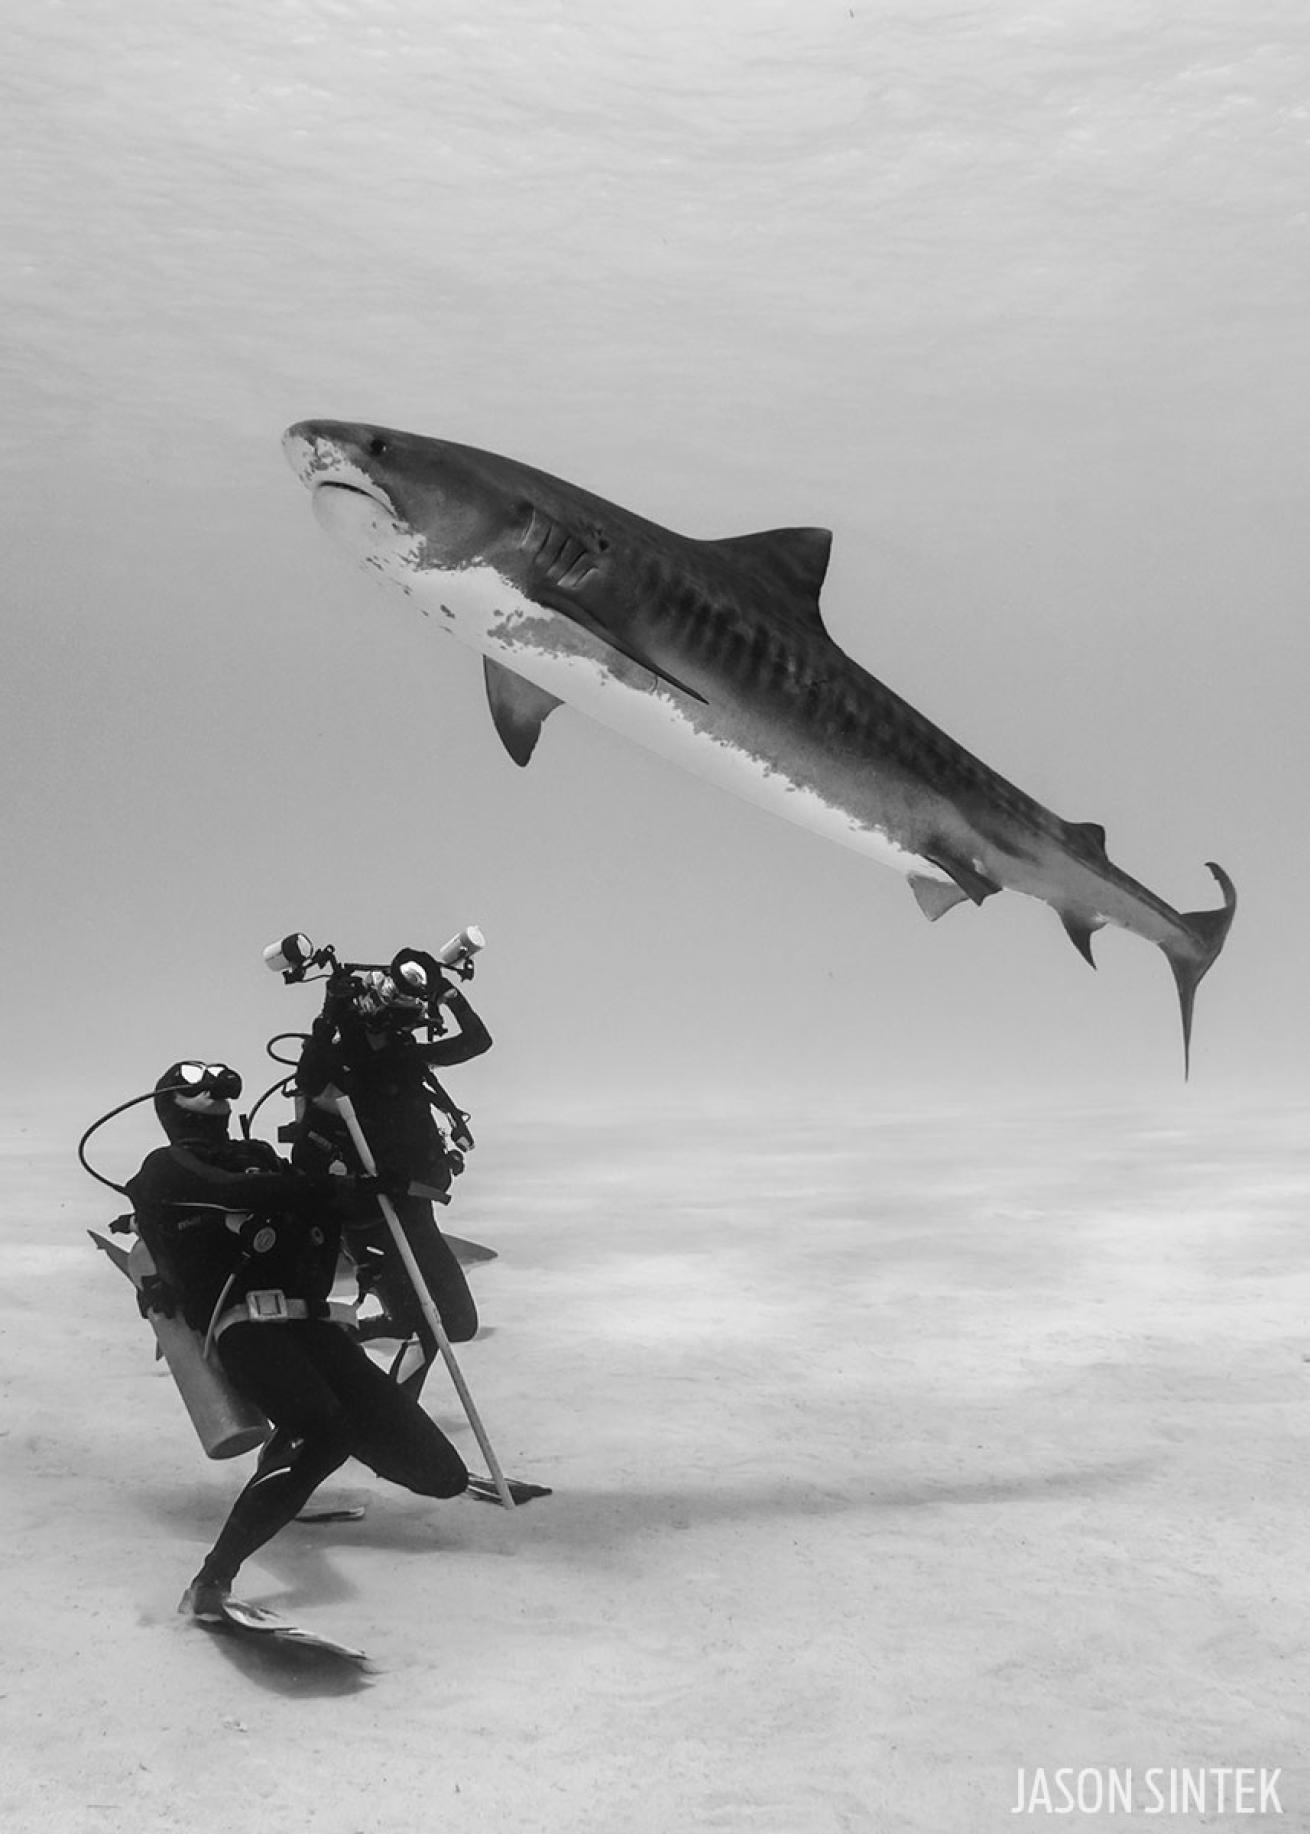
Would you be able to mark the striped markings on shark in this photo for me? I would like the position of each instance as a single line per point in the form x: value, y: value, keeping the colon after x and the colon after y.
x: 715, y: 655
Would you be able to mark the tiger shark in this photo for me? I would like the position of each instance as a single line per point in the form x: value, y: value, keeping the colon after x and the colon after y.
x: 715, y: 655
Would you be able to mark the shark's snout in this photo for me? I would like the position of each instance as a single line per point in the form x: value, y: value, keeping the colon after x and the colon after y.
x: 325, y: 457
x: 299, y: 444
x: 354, y: 498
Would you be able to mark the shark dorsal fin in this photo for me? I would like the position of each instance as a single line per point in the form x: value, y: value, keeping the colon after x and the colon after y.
x: 795, y: 561
x: 518, y: 708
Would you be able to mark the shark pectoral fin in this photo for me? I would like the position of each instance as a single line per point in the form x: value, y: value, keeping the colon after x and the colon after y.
x: 936, y: 896
x: 577, y: 614
x: 518, y: 708
x: 972, y: 883
x: 635, y: 655
x: 1080, y: 930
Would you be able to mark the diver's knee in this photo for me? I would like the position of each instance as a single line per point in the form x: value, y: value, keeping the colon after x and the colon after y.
x: 443, y: 1475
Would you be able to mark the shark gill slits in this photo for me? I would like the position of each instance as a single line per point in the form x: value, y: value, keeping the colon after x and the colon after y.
x: 551, y: 547
x: 564, y: 558
x: 578, y: 575
x: 550, y: 543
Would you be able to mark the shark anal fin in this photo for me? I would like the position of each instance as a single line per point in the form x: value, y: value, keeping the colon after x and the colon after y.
x: 972, y: 883
x: 936, y: 896
x: 518, y: 708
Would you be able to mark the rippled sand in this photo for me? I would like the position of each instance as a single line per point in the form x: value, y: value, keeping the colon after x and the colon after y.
x: 890, y: 1457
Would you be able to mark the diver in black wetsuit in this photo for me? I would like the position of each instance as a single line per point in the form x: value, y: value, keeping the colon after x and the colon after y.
x: 363, y: 1044
x: 246, y: 1247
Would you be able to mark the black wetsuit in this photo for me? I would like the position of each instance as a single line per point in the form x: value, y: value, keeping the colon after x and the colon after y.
x: 388, y: 1076
x: 227, y: 1218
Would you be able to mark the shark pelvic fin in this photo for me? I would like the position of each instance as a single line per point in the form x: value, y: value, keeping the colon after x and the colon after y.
x: 936, y: 896
x: 972, y: 883
x: 1209, y: 932
x: 518, y: 708
x: 1080, y: 930
x: 793, y: 561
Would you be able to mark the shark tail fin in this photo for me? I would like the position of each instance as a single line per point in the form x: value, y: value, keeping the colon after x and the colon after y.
x: 1208, y: 931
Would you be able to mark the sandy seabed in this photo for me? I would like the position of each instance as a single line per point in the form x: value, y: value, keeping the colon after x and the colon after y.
x: 891, y: 1457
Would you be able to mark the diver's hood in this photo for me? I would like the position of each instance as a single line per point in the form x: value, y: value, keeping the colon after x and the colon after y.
x: 180, y: 1117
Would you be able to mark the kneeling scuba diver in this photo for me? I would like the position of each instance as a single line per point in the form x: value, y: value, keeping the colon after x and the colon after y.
x: 245, y: 1249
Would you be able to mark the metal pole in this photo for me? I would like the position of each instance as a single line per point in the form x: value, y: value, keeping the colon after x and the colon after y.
x: 346, y: 1109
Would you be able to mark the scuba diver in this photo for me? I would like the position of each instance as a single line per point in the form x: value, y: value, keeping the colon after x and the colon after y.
x: 363, y: 1045
x: 245, y: 1248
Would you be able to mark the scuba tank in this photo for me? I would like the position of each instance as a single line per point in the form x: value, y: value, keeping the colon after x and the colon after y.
x: 226, y: 1423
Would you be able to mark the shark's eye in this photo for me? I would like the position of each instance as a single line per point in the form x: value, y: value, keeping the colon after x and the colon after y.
x: 376, y: 447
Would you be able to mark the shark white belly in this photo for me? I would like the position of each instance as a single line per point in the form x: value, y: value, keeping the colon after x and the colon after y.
x: 489, y: 614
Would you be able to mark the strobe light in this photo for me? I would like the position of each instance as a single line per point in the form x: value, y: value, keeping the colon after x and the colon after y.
x: 461, y: 948
x: 290, y: 957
